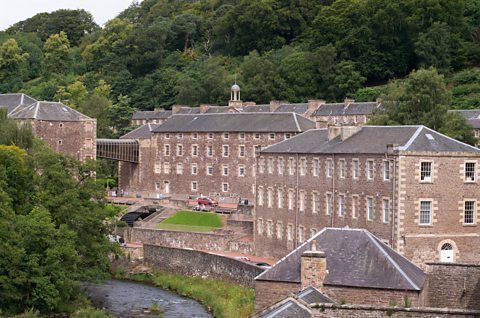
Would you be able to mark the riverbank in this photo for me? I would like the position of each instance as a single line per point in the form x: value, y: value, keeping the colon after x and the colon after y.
x: 223, y: 299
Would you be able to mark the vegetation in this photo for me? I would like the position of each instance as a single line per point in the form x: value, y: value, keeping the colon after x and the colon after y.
x: 192, y: 221
x: 223, y: 299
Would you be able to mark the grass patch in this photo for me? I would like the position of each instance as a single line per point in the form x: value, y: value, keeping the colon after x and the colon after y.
x: 192, y: 222
x: 223, y: 299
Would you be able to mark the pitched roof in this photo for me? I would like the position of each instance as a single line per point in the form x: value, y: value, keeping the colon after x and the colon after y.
x: 49, y: 111
x: 14, y: 101
x: 264, y: 108
x: 189, y: 110
x: 371, y: 139
x: 472, y: 116
x: 286, y: 308
x: 355, y: 108
x: 142, y: 132
x: 312, y: 295
x: 237, y: 122
x: 295, y: 108
x: 152, y: 114
x: 356, y: 258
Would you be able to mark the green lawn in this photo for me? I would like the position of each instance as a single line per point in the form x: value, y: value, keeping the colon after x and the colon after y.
x: 192, y: 222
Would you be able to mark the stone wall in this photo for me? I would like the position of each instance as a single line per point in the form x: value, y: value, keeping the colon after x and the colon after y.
x: 197, y: 241
x: 354, y: 311
x: 453, y: 286
x: 269, y: 293
x: 197, y: 263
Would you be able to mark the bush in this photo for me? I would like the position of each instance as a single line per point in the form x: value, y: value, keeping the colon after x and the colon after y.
x: 90, y: 313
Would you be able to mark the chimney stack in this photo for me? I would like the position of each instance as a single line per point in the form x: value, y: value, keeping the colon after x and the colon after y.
x: 176, y: 109
x: 204, y: 108
x: 313, y: 267
x: 344, y: 131
x: 313, y: 104
x: 348, y: 101
x: 274, y: 104
x: 334, y: 131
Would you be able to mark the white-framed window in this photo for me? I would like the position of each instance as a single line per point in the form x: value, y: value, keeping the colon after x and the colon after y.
x: 291, y: 166
x: 369, y: 208
x: 280, y: 165
x: 167, y: 136
x: 194, y: 168
x: 270, y: 165
x: 256, y: 136
x: 426, y: 171
x: 158, y: 186
x: 270, y: 197
x: 210, y: 135
x: 166, y: 150
x: 290, y: 199
x: 260, y: 226
x: 386, y: 170
x: 225, y: 187
x: 329, y: 168
x: 315, y: 167
x: 195, y: 136
x: 314, y: 202
x: 241, y: 136
x: 241, y: 171
x: 280, y: 198
x: 287, y: 136
x: 279, y: 230
x: 290, y: 232
x: 260, y: 196
x: 425, y: 212
x: 301, y: 204
x: 241, y: 151
x: 209, y: 170
x: 355, y: 206
x: 194, y: 150
x: 328, y: 203
x: 194, y: 186
x: 303, y: 167
x: 179, y: 136
x: 225, y: 170
x: 269, y: 228
x: 386, y: 210
x: 158, y: 167
x: 341, y: 168
x: 469, y: 212
x: 301, y: 234
x: 355, y: 168
x: 179, y: 168
x: 271, y: 136
x: 179, y: 150
x: 166, y: 167
x: 225, y: 151
x: 261, y: 165
x: 226, y: 135
x: 341, y: 205
x: 470, y: 171
x: 313, y: 231
x: 370, y: 169
x: 209, y: 150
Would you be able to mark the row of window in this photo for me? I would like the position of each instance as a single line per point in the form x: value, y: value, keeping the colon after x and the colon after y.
x: 209, y: 170
x: 469, y: 212
x: 226, y: 136
x: 209, y: 150
x: 315, y: 166
x: 268, y: 229
x: 355, y: 203
x: 193, y: 186
x: 426, y: 171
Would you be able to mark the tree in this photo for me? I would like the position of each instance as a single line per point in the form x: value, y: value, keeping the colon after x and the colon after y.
x: 72, y: 95
x: 56, y: 59
x: 347, y: 80
x: 434, y: 48
x: 13, y: 63
x: 120, y: 115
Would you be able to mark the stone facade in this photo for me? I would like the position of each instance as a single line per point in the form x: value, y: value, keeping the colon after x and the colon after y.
x: 268, y: 293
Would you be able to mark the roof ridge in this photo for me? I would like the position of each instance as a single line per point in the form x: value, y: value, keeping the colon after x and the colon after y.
x: 36, y: 110
x: 296, y: 121
x: 452, y: 139
x: 412, y: 139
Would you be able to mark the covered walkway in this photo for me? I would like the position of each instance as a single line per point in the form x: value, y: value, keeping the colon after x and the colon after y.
x: 118, y: 149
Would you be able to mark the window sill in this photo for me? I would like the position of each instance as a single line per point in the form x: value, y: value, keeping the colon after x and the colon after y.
x: 469, y: 225
x: 426, y: 182
x: 470, y: 182
x: 425, y: 225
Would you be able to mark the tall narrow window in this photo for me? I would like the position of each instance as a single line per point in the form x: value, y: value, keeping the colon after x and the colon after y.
x: 261, y: 165
x: 166, y: 168
x: 329, y: 204
x: 315, y: 167
x: 209, y: 150
x: 179, y: 150
x: 280, y: 165
x: 270, y: 165
x: 280, y: 198
x: 369, y: 209
x: 329, y: 168
x: 194, y: 168
x: 355, y: 169
x: 302, y: 201
x: 225, y: 170
x: 341, y: 168
x: 355, y: 206
x: 386, y: 210
x: 386, y: 170
x: 425, y: 212
x: 260, y: 196
x: 269, y: 228
x: 470, y: 171
x: 370, y: 169
x: 194, y: 186
x: 209, y: 170
x: 166, y: 150
x: 225, y: 187
x: 301, y: 234
x: 179, y: 168
x: 426, y: 171
x: 341, y: 205
x: 270, y: 197
x: 225, y: 151
x: 241, y: 171
x: 290, y: 232
x: 279, y: 230
x: 260, y: 226
x: 241, y: 151
x: 290, y: 199
x: 194, y: 150
x: 315, y: 202
x: 469, y: 212
x: 291, y: 166
x: 303, y: 166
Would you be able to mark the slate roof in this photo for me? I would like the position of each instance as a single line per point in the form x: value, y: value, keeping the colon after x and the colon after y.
x: 49, y: 111
x: 142, y: 132
x: 312, y: 295
x: 295, y: 108
x: 152, y: 114
x: 263, y: 108
x: 337, y: 109
x: 189, y: 110
x: 373, y: 140
x: 237, y: 122
x: 288, y: 308
x: 14, y: 102
x: 472, y: 116
x: 355, y: 258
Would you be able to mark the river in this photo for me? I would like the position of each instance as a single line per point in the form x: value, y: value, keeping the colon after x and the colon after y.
x: 129, y: 299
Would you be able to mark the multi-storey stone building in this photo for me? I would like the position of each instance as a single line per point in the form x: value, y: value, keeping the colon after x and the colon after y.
x: 214, y: 153
x: 63, y: 128
x: 413, y: 187
x: 472, y: 116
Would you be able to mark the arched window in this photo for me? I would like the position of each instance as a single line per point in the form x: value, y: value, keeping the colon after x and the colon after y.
x: 446, y: 253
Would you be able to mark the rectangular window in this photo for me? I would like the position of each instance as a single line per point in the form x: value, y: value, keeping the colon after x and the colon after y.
x: 179, y: 168
x: 271, y: 136
x: 194, y: 186
x: 241, y: 171
x: 225, y: 187
x: 194, y: 136
x: 386, y: 210
x: 166, y: 150
x: 157, y: 186
x: 261, y: 165
x: 315, y: 202
x: 260, y: 226
x: 291, y: 166
x: 386, y: 170
x: 356, y: 173
x: 194, y: 168
x: 179, y: 150
x: 280, y: 165
x: 279, y: 230
x: 225, y: 151
x: 329, y: 168
x: 241, y: 136
x: 301, y: 234
x: 279, y: 198
x: 209, y: 150
x: 341, y: 205
x: 290, y: 199
x: 241, y: 151
x: 224, y: 170
x: 302, y: 201
x: 470, y: 171
x: 209, y: 170
x: 315, y: 167
x: 469, y: 212
x: 270, y: 197
x: 269, y: 228
x: 166, y: 168
x: 328, y: 204
x: 179, y: 136
x: 287, y: 136
x: 260, y: 196
x: 425, y: 212
x: 167, y: 136
x: 257, y: 136
x: 303, y: 166
x: 210, y: 136
x: 370, y: 169
x: 158, y: 167
x: 226, y: 135
x: 290, y: 232
x: 425, y: 171
x: 355, y: 206
x: 313, y: 232
x: 194, y: 150
x: 370, y: 209
x: 270, y: 165
x: 341, y: 168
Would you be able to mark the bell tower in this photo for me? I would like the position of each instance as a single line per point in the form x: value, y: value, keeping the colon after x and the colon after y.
x: 235, y: 100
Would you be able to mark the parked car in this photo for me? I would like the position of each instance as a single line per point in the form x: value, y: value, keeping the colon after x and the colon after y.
x: 207, y: 201
x: 202, y: 207
x: 261, y: 264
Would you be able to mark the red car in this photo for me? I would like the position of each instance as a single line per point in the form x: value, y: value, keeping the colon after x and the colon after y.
x: 207, y: 201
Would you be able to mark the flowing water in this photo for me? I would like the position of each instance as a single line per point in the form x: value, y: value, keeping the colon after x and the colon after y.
x: 129, y: 299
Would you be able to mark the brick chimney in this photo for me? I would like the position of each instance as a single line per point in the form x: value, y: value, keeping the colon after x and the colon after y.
x: 348, y: 101
x: 313, y: 268
x: 313, y: 104
x: 348, y: 131
x: 334, y: 131
x: 204, y: 108
x: 274, y: 104
x: 176, y: 109
x: 159, y: 109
